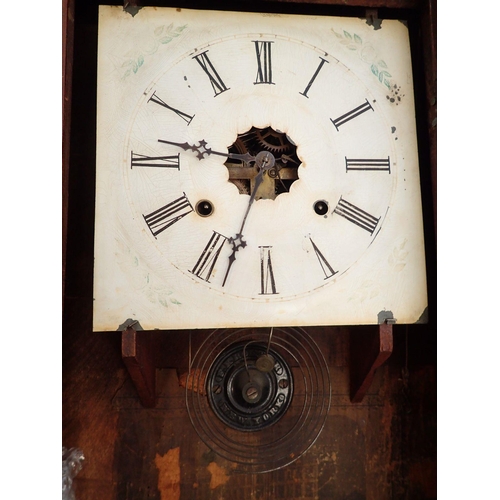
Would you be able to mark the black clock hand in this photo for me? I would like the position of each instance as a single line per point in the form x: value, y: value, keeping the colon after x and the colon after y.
x: 202, y: 150
x: 265, y: 161
x: 238, y: 241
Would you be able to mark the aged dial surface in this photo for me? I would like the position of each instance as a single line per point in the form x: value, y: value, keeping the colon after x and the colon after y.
x: 302, y: 239
x: 262, y: 166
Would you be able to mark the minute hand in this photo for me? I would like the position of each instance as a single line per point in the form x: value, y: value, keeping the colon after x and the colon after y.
x: 264, y: 161
x: 238, y: 242
x: 202, y: 150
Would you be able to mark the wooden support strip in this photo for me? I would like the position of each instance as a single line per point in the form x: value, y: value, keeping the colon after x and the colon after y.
x: 368, y: 351
x: 138, y: 358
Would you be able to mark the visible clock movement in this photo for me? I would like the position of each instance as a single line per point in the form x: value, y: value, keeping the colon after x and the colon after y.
x: 255, y: 170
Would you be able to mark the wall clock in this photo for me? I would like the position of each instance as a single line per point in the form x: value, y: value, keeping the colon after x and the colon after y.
x: 255, y: 170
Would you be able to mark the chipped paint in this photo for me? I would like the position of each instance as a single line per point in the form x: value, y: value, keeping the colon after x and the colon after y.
x: 197, y: 380
x: 219, y: 476
x: 169, y: 474
x: 395, y: 95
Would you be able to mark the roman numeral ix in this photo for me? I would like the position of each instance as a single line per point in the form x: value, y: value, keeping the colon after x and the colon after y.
x: 215, y: 80
x: 208, y: 258
x: 164, y: 217
x: 138, y: 160
x: 355, y: 215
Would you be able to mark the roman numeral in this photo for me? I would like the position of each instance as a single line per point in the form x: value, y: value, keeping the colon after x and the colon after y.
x: 164, y: 217
x: 352, y: 114
x: 138, y: 160
x: 381, y: 164
x: 208, y: 258
x: 264, y: 65
x: 311, y: 81
x: 267, y: 281
x: 325, y: 266
x: 187, y: 118
x: 215, y: 80
x: 357, y: 216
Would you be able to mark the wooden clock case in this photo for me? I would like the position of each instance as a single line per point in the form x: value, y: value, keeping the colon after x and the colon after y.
x: 144, y: 352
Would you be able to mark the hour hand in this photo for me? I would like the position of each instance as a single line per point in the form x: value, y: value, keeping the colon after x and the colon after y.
x: 202, y: 151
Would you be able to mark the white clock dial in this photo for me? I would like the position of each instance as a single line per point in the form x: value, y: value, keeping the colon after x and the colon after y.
x: 257, y: 168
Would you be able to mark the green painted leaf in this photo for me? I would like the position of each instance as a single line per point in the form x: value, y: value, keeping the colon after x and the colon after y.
x: 347, y: 35
x: 382, y: 64
x: 140, y: 60
x: 384, y: 74
x: 179, y: 29
x: 357, y: 39
x: 158, y: 30
x: 127, y: 63
x: 374, y: 70
x: 338, y: 35
x: 165, y: 39
x: 175, y: 301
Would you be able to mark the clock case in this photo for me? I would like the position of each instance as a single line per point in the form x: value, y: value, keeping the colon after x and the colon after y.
x: 370, y: 346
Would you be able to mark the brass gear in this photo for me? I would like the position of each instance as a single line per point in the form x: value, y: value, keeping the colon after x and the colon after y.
x: 273, y: 141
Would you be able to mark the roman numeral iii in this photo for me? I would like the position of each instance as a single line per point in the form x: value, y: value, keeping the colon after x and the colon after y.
x: 369, y: 164
x: 138, y: 160
x: 164, y: 217
x: 208, y: 258
x: 357, y: 216
x: 215, y: 80
x: 341, y: 120
x: 264, y: 63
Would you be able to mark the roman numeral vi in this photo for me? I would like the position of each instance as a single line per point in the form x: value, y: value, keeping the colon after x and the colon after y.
x: 267, y: 281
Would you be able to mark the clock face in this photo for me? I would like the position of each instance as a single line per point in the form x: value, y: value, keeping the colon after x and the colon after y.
x: 251, y: 174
